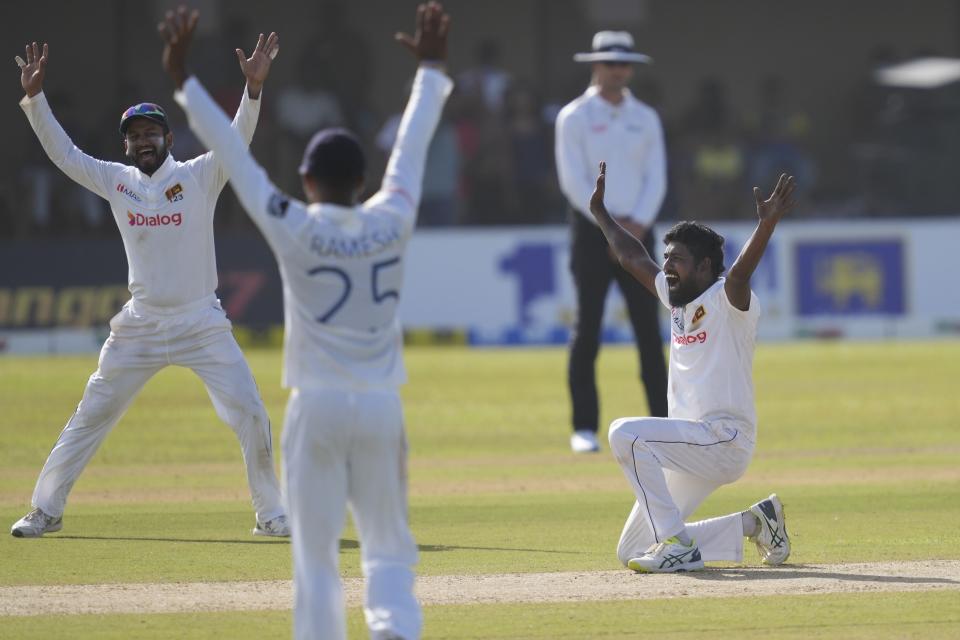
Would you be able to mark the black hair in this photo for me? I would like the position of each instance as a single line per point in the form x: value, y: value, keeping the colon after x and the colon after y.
x: 701, y: 240
x: 335, y: 158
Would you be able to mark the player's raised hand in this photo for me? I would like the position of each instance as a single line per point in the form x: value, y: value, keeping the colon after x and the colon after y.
x: 177, y: 32
x: 597, y: 208
x: 779, y: 202
x: 429, y: 41
x: 33, y: 68
x: 256, y: 68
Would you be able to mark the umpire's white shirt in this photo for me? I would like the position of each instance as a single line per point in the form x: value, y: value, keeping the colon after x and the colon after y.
x: 629, y: 138
x: 711, y: 357
x: 165, y: 220
x: 342, y: 267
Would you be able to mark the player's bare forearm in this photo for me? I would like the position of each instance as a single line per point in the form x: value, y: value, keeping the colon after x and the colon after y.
x: 769, y: 213
x: 629, y: 250
x: 737, y: 284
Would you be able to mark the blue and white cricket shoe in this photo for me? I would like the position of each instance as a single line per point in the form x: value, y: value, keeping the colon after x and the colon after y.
x: 669, y: 556
x: 35, y: 524
x: 771, y: 539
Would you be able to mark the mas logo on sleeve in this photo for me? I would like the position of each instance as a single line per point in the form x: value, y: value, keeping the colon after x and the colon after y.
x: 277, y: 206
x: 676, y: 314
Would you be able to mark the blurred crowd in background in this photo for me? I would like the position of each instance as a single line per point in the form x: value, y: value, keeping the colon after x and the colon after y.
x: 491, y: 162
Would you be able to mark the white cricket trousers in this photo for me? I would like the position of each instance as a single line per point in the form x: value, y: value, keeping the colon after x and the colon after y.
x: 672, y: 466
x: 143, y: 340
x: 341, y: 448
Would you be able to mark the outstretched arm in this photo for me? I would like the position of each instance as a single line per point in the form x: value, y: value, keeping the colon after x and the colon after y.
x: 628, y: 250
x: 769, y: 211
x: 403, y: 179
x: 177, y: 32
x: 267, y: 207
x: 87, y: 171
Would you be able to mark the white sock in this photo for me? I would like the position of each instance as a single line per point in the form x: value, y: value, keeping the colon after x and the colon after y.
x: 751, y: 524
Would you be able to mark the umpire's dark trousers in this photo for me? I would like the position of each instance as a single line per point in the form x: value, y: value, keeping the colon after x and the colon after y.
x: 593, y: 270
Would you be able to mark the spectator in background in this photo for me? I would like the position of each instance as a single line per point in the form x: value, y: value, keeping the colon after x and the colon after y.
x: 713, y: 158
x: 531, y: 177
x: 608, y: 124
x: 487, y: 80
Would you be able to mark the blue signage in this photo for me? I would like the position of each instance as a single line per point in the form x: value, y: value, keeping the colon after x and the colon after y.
x: 850, y: 278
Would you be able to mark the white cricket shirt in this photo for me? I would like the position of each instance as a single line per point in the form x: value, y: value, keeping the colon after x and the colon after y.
x: 629, y: 138
x: 342, y: 267
x: 711, y: 357
x: 165, y: 220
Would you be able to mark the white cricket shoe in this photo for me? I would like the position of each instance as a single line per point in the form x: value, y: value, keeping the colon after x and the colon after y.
x: 669, y: 556
x: 276, y: 527
x: 35, y: 524
x: 771, y: 539
x: 584, y: 441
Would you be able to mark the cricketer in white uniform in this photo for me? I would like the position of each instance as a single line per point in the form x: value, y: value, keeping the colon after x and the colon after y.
x: 342, y: 267
x: 164, y: 210
x: 672, y: 464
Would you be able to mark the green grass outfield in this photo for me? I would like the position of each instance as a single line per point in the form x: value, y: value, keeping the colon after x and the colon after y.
x: 862, y: 442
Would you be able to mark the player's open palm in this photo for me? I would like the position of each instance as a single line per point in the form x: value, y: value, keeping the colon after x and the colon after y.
x: 429, y: 41
x: 33, y: 68
x: 256, y: 68
x: 596, y: 200
x: 177, y: 32
x: 779, y: 202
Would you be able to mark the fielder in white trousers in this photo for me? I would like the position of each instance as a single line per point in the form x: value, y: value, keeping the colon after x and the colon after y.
x: 341, y: 262
x: 672, y: 466
x: 347, y: 448
x: 143, y: 340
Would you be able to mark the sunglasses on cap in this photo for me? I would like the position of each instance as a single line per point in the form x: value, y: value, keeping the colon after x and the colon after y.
x: 147, y: 110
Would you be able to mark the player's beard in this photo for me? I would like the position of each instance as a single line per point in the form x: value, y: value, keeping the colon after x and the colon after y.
x: 683, y: 294
x: 152, y: 162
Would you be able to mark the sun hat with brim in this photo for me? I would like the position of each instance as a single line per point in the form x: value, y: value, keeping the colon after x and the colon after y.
x: 147, y: 110
x: 612, y: 46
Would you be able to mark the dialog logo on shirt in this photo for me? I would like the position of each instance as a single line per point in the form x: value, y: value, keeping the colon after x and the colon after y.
x: 693, y: 338
x: 164, y: 220
x: 174, y: 193
x: 127, y: 191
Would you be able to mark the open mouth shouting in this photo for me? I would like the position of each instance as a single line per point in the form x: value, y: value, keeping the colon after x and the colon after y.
x: 673, y: 280
x: 147, y: 155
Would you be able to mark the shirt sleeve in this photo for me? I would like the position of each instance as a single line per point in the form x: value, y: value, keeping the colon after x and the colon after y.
x: 403, y: 180
x: 268, y: 207
x: 207, y: 168
x: 572, y: 170
x: 661, y: 283
x: 751, y: 315
x: 95, y: 175
x: 653, y: 181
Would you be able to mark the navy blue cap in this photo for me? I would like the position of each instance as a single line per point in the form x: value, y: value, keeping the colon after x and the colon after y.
x: 334, y: 155
x: 147, y: 110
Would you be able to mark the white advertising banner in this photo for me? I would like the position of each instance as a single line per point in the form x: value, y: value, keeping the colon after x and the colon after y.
x: 861, y: 279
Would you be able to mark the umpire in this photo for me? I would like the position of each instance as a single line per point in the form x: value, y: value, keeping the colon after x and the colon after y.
x: 608, y: 123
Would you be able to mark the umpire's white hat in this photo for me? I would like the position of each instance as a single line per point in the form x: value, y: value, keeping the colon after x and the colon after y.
x: 612, y: 46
